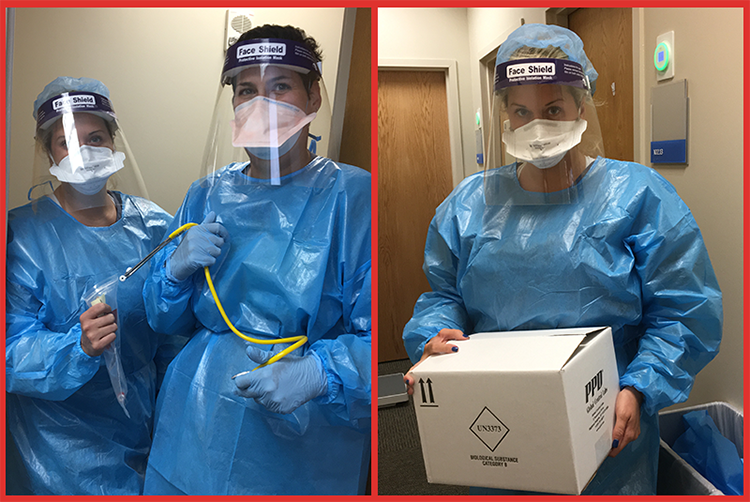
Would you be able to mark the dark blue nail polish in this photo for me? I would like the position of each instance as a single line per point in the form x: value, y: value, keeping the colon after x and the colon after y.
x: 454, y: 349
x: 466, y: 336
x: 615, y: 443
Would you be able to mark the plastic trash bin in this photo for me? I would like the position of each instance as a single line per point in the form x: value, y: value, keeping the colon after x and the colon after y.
x: 677, y: 477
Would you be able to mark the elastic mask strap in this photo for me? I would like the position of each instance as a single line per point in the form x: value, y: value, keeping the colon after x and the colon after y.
x: 314, y: 143
x: 314, y: 139
x: 28, y: 196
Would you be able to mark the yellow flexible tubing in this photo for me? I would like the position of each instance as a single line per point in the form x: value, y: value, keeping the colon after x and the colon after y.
x: 296, y: 341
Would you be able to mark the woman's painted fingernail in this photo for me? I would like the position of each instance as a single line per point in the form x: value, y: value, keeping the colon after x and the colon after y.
x: 466, y: 336
x: 454, y: 349
x: 615, y: 443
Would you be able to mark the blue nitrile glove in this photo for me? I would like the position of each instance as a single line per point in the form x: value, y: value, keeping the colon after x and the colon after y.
x: 199, y: 248
x: 285, y: 385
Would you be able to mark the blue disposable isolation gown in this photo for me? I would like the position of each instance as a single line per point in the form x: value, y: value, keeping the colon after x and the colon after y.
x: 626, y: 253
x: 297, y: 263
x: 72, y: 434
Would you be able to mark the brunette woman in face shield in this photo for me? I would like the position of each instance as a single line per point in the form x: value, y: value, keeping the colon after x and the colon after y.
x: 285, y: 234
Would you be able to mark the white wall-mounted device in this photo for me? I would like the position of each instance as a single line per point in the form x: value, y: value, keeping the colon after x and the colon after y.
x: 237, y: 22
x: 664, y: 56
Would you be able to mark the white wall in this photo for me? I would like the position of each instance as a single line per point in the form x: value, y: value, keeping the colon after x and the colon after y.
x: 712, y: 184
x: 162, y: 67
x: 433, y: 34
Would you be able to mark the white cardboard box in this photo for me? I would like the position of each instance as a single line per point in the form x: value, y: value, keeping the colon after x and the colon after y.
x: 521, y: 410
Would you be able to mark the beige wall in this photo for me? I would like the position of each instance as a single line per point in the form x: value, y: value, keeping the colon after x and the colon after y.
x: 712, y: 184
x: 440, y: 34
x: 162, y: 67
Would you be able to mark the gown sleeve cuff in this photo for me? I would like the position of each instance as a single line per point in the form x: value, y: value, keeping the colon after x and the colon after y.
x: 173, y: 287
x: 330, y: 385
x: 647, y: 401
x: 79, y: 353
x: 420, y: 347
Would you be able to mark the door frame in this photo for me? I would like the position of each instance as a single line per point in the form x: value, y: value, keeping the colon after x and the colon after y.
x: 338, y: 107
x: 485, y: 59
x: 450, y: 68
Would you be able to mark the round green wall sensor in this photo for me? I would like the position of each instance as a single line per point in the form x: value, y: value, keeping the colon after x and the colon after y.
x: 661, y: 56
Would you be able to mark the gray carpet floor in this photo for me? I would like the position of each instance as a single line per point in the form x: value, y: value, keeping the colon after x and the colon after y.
x: 400, y: 465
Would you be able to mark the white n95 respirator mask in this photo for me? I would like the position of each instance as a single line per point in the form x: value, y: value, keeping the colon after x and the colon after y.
x: 88, y: 168
x: 266, y: 125
x: 543, y: 142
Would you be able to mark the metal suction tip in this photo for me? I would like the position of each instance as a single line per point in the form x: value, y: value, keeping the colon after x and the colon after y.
x: 240, y: 374
x: 126, y: 274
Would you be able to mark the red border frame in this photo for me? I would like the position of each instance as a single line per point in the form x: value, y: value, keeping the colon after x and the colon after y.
x: 374, y: 17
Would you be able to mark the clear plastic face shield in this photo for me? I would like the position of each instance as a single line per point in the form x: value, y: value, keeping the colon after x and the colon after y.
x: 544, y: 119
x: 272, y: 114
x: 81, y: 153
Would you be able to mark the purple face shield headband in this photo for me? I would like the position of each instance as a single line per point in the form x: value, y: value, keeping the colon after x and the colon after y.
x: 74, y: 102
x: 540, y: 71
x: 262, y: 51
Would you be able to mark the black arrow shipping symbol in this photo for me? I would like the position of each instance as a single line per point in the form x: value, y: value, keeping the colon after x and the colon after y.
x: 424, y: 394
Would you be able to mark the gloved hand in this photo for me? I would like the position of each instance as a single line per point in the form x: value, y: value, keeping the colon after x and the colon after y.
x: 285, y: 385
x: 199, y: 248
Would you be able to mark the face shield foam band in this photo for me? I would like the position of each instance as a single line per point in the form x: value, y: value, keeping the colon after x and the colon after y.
x: 74, y: 102
x: 540, y: 71
x: 263, y: 51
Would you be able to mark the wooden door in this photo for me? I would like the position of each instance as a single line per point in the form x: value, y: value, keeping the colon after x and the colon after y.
x: 607, y: 35
x: 414, y: 177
